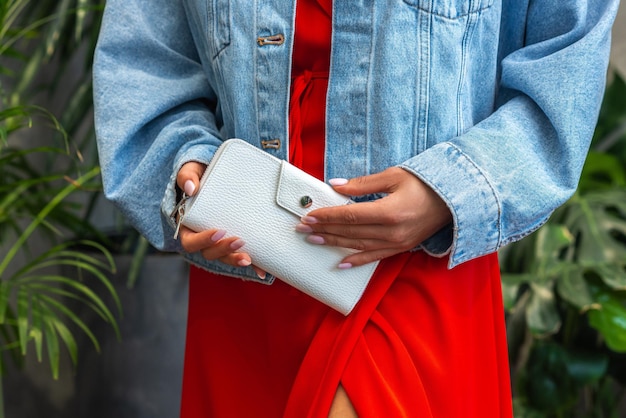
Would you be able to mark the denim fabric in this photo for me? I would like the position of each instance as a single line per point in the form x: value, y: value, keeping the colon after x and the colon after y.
x: 490, y: 102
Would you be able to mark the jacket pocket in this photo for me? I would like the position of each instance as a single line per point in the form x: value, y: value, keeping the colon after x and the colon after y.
x: 451, y: 9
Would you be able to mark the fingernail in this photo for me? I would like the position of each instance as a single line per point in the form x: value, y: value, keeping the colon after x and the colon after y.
x: 189, y: 188
x: 235, y: 245
x: 304, y: 228
x: 218, y: 235
x: 262, y: 276
x: 244, y: 262
x: 338, y: 182
x: 308, y: 220
x: 345, y: 266
x: 316, y: 239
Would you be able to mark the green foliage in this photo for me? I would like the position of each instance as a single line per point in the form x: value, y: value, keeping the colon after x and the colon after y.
x: 565, y: 288
x: 44, y: 178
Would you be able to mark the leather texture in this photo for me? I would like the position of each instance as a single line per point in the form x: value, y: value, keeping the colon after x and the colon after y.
x: 259, y: 198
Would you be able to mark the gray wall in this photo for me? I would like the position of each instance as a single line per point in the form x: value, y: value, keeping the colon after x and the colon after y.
x: 618, y: 53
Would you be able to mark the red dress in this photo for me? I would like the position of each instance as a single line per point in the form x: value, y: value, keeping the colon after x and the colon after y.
x: 424, y: 341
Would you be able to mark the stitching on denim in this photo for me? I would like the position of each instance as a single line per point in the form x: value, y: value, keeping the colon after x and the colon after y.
x: 467, y: 36
x: 423, y: 83
x: 524, y: 234
x: 368, y: 91
x: 221, y: 28
x: 446, y: 14
x: 493, y: 191
x: 212, y: 267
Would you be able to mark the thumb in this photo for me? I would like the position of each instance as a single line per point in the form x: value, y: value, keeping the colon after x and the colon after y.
x: 188, y: 178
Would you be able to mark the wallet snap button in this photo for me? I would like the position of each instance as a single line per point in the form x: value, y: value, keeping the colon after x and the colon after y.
x: 306, y: 201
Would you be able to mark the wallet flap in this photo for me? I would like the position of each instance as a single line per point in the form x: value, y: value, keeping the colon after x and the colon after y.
x: 300, y: 193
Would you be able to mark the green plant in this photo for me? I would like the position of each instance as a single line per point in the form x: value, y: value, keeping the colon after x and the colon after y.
x: 45, y: 183
x: 565, y: 288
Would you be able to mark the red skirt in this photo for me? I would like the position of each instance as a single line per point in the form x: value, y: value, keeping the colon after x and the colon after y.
x: 424, y: 341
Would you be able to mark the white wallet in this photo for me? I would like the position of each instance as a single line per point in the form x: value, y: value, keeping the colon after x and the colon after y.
x: 260, y: 199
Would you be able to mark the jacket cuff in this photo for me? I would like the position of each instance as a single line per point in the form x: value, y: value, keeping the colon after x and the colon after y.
x: 470, y: 197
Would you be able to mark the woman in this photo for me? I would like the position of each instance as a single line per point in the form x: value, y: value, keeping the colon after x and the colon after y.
x: 458, y: 125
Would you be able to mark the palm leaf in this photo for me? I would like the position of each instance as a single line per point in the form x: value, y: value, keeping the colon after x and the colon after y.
x: 35, y: 303
x: 42, y: 216
x: 52, y: 340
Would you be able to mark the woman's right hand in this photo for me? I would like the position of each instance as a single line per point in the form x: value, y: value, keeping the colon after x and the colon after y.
x: 211, y: 243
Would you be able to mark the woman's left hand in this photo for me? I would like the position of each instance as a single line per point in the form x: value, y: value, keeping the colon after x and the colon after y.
x: 410, y: 213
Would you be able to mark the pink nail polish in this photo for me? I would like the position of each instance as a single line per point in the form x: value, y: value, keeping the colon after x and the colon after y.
x: 218, y: 235
x: 316, y: 239
x: 338, y: 182
x: 189, y: 188
x: 235, y: 245
x: 304, y: 228
x: 308, y: 220
x: 345, y: 266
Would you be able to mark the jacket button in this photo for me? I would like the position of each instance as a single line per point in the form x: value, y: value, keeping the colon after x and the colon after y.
x: 271, y: 144
x: 271, y: 40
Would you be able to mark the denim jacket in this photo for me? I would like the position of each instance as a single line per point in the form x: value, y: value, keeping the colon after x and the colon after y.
x: 490, y: 102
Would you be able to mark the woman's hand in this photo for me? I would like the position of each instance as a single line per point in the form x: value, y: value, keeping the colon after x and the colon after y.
x: 410, y: 213
x: 211, y: 243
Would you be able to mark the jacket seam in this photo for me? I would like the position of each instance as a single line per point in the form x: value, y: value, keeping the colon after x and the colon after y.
x: 493, y: 192
x: 467, y: 36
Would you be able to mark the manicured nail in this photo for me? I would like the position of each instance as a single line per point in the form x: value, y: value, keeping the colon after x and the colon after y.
x: 244, y: 262
x: 304, y: 228
x: 218, y: 235
x: 235, y: 245
x: 316, y: 239
x: 345, y: 266
x: 308, y: 220
x: 338, y: 182
x: 189, y: 188
x: 261, y: 276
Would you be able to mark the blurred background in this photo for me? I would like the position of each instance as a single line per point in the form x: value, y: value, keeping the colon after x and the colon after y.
x: 92, y: 319
x: 618, y: 53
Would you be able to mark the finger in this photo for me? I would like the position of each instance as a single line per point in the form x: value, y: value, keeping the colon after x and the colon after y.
x: 212, y: 247
x: 210, y: 243
x: 363, y: 213
x: 367, y: 231
x: 366, y: 257
x: 383, y: 182
x: 236, y: 259
x: 359, y: 244
x: 243, y: 260
x: 188, y: 177
x: 226, y: 248
x: 259, y: 272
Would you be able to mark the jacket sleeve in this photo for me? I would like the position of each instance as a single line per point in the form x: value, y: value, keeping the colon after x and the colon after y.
x: 504, y: 177
x: 154, y: 110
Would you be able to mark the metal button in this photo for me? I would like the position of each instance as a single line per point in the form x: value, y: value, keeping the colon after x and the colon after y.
x: 271, y: 144
x: 278, y: 39
x: 306, y: 201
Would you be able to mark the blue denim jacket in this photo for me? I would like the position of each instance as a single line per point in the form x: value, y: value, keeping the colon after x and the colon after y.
x: 490, y: 102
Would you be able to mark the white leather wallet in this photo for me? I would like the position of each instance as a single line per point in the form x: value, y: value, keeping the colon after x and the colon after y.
x: 260, y: 199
